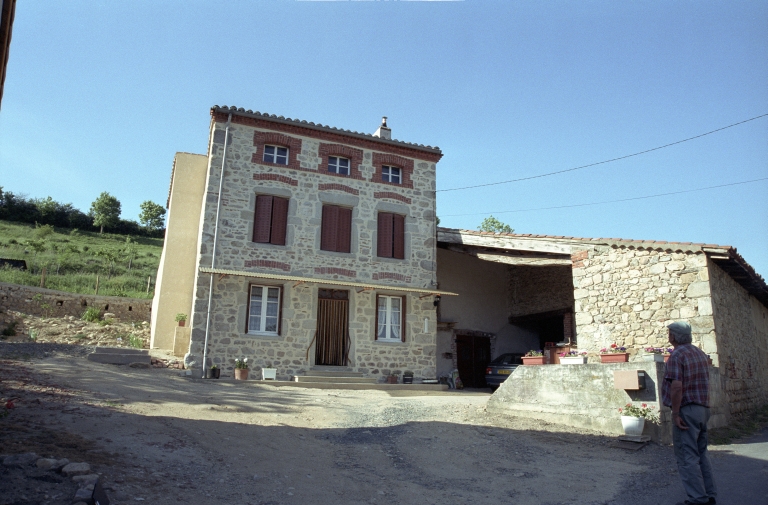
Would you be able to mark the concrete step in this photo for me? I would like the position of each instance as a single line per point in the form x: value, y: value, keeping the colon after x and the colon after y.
x: 120, y: 350
x: 334, y: 379
x: 322, y: 373
x: 120, y: 356
x: 401, y: 389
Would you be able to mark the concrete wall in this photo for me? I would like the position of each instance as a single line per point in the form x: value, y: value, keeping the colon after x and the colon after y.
x: 50, y: 303
x: 628, y: 296
x: 585, y: 396
x: 741, y: 344
x: 308, y: 188
x: 177, y: 270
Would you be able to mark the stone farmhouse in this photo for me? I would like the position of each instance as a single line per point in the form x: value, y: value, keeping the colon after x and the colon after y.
x: 298, y: 245
x: 301, y: 246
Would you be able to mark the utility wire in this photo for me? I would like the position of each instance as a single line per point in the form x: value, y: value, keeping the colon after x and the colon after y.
x: 610, y: 201
x: 605, y: 161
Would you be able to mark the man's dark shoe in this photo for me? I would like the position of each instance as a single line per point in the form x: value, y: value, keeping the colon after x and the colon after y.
x: 712, y: 501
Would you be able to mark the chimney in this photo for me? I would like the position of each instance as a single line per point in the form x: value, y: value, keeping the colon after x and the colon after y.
x: 383, y: 132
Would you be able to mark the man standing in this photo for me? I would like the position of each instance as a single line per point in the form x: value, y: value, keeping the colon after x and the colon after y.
x: 686, y: 391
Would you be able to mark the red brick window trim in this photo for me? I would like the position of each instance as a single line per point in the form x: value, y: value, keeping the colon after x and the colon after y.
x: 391, y: 160
x: 392, y: 196
x: 335, y: 271
x: 276, y: 177
x: 261, y: 139
x: 338, y: 187
x: 355, y: 157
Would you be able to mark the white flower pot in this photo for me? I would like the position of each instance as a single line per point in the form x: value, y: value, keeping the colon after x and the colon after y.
x: 269, y: 373
x: 658, y: 358
x: 573, y: 360
x: 633, y: 425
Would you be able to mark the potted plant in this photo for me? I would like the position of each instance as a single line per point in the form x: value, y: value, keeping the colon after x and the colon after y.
x: 614, y: 354
x: 241, y: 369
x: 407, y: 377
x: 657, y: 354
x: 268, y: 373
x: 181, y: 319
x: 392, y: 378
x: 213, y: 373
x: 534, y: 357
x: 573, y: 358
x: 633, y: 418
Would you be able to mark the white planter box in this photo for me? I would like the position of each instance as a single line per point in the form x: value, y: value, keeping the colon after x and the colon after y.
x: 269, y: 373
x: 573, y: 360
x: 658, y: 358
x: 633, y: 425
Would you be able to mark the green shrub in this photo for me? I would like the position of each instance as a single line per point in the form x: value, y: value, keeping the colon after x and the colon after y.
x: 92, y: 315
x: 10, y: 330
x: 135, y: 341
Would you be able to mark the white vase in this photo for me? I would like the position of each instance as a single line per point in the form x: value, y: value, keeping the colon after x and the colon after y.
x: 633, y: 425
x: 573, y: 360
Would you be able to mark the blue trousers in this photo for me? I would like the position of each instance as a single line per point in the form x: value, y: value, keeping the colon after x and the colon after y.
x: 691, y: 454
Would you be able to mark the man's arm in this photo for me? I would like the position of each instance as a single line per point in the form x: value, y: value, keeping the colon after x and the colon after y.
x: 676, y: 392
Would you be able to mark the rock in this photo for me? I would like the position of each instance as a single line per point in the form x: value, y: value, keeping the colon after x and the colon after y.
x: 20, y: 459
x: 76, y: 469
x: 139, y: 365
x: 83, y: 495
x: 61, y: 463
x: 46, y: 463
x: 86, y: 480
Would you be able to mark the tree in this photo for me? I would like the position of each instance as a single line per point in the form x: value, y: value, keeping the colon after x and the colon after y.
x: 492, y: 224
x: 152, y: 215
x: 105, y: 211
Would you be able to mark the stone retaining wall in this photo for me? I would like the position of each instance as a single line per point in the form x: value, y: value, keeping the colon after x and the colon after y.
x: 50, y: 303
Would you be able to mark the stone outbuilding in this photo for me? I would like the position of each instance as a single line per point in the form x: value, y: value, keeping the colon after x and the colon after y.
x: 522, y: 292
x: 298, y: 245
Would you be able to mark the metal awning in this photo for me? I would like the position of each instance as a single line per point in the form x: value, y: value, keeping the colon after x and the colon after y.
x: 333, y: 282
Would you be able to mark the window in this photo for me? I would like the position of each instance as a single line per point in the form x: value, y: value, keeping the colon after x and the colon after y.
x: 391, y: 236
x: 338, y: 165
x: 336, y: 229
x: 390, y: 174
x: 390, y: 318
x: 276, y: 154
x: 271, y: 220
x: 264, y: 310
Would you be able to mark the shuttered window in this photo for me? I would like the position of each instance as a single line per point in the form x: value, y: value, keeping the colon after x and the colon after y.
x: 390, y: 318
x: 271, y: 220
x: 391, y: 236
x: 336, y: 230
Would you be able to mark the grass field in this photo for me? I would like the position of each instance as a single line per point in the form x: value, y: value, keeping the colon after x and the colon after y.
x: 73, y: 259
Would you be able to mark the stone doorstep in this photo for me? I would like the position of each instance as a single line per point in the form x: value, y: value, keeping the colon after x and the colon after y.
x: 322, y: 373
x: 422, y: 388
x: 120, y: 359
x: 119, y: 350
x: 335, y: 379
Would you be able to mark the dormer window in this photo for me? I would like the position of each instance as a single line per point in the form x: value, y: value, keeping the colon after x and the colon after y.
x: 391, y: 174
x: 276, y: 154
x: 338, y: 165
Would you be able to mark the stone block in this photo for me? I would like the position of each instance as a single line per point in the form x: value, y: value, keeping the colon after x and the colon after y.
x: 656, y: 269
x: 73, y: 469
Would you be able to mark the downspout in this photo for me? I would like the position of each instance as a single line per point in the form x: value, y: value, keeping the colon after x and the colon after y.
x: 215, y: 239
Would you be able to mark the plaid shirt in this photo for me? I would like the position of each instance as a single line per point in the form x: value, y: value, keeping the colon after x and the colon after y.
x: 689, y: 365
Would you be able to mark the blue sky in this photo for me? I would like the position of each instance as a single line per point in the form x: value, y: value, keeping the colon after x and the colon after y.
x: 100, y: 95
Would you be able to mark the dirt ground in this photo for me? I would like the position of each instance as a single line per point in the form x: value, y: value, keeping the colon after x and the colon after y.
x: 162, y: 438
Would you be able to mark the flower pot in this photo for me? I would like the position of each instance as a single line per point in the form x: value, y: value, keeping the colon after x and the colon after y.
x: 241, y: 374
x: 269, y: 373
x: 573, y: 360
x: 658, y: 358
x: 666, y: 357
x: 182, y: 323
x: 212, y: 373
x: 407, y: 379
x: 633, y: 425
x: 533, y: 360
x: 392, y: 379
x: 614, y: 357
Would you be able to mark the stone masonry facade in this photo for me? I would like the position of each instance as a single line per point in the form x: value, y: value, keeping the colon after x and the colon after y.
x: 307, y: 184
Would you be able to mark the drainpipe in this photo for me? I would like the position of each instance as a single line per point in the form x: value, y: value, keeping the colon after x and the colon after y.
x: 215, y: 239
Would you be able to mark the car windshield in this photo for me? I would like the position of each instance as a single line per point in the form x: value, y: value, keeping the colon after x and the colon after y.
x: 507, y: 359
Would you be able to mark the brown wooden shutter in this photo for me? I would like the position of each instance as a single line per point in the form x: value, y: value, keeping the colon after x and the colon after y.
x: 384, y: 235
x: 279, y: 220
x: 376, y: 323
x: 344, y: 236
x: 398, y: 237
x: 402, y: 320
x: 329, y: 228
x: 262, y: 221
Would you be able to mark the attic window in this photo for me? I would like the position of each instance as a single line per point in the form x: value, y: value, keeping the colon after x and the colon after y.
x: 276, y: 154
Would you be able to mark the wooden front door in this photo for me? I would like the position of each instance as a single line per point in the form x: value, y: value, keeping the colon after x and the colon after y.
x: 332, y: 346
x: 472, y: 357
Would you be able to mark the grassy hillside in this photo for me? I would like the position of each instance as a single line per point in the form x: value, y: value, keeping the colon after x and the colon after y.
x: 72, y: 259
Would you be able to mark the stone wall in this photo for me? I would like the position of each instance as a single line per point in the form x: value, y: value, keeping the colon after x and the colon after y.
x: 628, y: 296
x: 50, y: 303
x: 741, y: 324
x: 308, y: 189
x: 533, y: 290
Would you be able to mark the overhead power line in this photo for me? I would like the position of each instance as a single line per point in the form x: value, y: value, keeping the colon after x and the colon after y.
x: 605, y: 161
x: 609, y: 201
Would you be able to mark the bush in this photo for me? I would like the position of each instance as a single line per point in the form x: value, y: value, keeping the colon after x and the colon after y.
x: 91, y: 315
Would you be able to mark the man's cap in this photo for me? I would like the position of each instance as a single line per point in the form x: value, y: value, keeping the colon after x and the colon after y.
x: 680, y: 328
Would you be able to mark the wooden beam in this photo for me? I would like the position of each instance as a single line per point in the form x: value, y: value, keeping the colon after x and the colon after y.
x: 523, y: 260
x: 503, y: 242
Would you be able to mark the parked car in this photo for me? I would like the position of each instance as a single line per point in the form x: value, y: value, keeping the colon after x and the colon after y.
x: 500, y: 368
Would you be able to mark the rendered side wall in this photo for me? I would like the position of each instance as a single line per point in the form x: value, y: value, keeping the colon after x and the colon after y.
x: 741, y: 323
x: 177, y: 270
